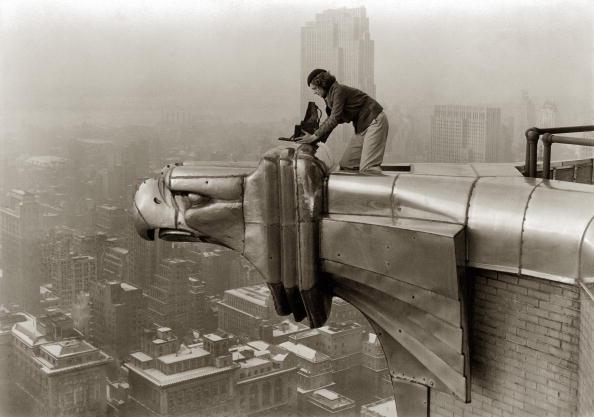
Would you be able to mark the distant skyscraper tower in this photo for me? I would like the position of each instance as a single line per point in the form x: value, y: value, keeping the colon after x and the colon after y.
x: 20, y: 255
x: 548, y: 115
x: 465, y: 133
x: 338, y: 40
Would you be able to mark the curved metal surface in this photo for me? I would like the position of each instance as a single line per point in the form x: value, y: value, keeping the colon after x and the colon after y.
x: 400, y: 249
x: 363, y: 195
x: 551, y: 248
x: 495, y: 220
x: 437, y: 198
x: 395, y: 246
x: 587, y: 255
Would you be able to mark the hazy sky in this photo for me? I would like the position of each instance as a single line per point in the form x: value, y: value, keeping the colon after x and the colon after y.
x: 242, y: 57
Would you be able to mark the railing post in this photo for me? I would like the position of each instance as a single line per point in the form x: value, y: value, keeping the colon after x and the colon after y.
x: 532, y: 136
x: 547, y: 143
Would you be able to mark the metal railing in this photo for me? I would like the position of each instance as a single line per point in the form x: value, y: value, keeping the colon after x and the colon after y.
x: 533, y: 135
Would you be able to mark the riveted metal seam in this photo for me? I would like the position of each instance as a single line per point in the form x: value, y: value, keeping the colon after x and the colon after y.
x: 521, y: 249
x: 393, y: 197
x: 579, y: 257
x: 466, y: 214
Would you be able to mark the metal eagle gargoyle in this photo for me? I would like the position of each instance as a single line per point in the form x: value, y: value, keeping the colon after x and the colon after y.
x: 400, y: 247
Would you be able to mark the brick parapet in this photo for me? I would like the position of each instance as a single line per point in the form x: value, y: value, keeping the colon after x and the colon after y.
x: 586, y: 360
x: 525, y: 346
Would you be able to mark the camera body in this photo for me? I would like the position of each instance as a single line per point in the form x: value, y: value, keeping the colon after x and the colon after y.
x: 309, y: 124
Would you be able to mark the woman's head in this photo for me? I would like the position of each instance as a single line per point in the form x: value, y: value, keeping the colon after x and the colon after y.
x: 320, y: 81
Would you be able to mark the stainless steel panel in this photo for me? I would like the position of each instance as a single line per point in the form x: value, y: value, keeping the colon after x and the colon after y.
x: 262, y: 249
x: 453, y: 380
x: 448, y: 170
x: 154, y: 207
x: 360, y: 194
x: 288, y: 220
x: 413, y: 256
x: 432, y: 197
x: 587, y: 255
x: 495, y: 219
x: 555, y: 223
x: 403, y: 365
x: 222, y: 222
x: 443, y: 308
x: 412, y: 400
x: 496, y: 170
x: 261, y: 194
x: 409, y: 320
x: 224, y: 187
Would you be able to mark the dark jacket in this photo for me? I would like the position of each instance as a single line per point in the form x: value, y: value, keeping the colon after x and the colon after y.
x: 347, y: 104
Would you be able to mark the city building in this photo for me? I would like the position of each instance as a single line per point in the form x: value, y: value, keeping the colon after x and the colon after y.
x: 143, y: 256
x: 168, y: 296
x: 524, y: 118
x: 81, y: 313
x: 20, y: 250
x: 338, y: 40
x: 63, y: 377
x: 342, y: 312
x: 71, y: 275
x: 383, y: 408
x: 220, y: 269
x: 324, y: 402
x: 116, y: 317
x: 374, y: 366
x: 462, y: 133
x: 172, y: 379
x: 116, y: 264
x: 266, y: 382
x: 198, y: 313
x: 315, y: 368
x: 110, y: 219
x: 92, y: 244
x: 277, y: 333
x: 242, y: 310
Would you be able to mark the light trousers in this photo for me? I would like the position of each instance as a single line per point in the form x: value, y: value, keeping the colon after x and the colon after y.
x: 365, y: 151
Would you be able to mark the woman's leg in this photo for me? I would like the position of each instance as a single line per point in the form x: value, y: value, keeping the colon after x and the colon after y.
x: 374, y: 144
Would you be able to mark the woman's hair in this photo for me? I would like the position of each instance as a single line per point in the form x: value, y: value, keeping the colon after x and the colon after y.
x: 323, y: 80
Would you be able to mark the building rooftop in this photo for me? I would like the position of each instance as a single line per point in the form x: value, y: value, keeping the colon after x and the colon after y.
x: 287, y: 327
x: 331, y: 400
x: 68, y: 347
x: 257, y: 294
x: 382, y: 408
x: 28, y: 333
x: 253, y: 362
x: 127, y: 287
x: 339, y: 327
x: 259, y: 345
x: 160, y: 379
x: 184, y: 354
x: 141, y: 356
x: 213, y: 337
x: 304, y: 352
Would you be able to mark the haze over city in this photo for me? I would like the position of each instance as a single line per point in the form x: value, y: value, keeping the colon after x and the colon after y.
x: 97, y: 97
x: 240, y: 60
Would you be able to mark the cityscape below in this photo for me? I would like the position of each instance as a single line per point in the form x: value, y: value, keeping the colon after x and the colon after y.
x: 96, y: 321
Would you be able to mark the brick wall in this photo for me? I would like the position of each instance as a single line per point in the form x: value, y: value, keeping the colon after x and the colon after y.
x: 524, y: 350
x: 586, y: 362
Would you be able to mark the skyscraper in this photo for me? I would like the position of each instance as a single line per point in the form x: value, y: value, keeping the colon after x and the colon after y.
x: 338, y: 40
x: 21, y: 250
x: 71, y: 275
x: 168, y: 297
x: 465, y: 133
